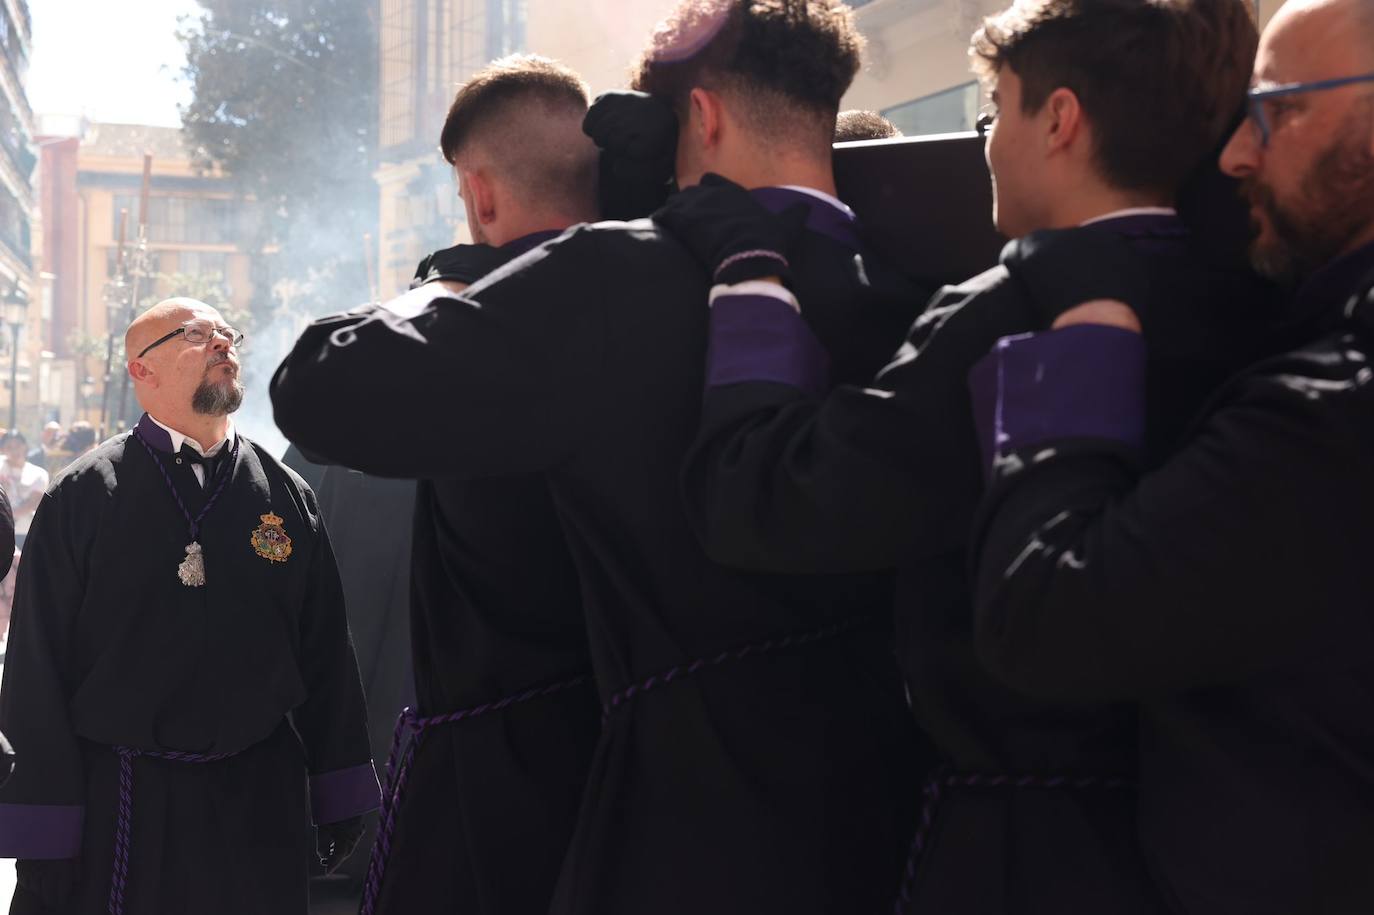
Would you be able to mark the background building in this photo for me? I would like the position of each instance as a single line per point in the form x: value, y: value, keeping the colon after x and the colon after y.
x: 198, y: 232
x: 18, y: 282
x: 916, y: 72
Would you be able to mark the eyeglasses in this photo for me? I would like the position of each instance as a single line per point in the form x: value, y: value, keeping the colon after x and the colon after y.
x: 1257, y: 97
x: 196, y: 333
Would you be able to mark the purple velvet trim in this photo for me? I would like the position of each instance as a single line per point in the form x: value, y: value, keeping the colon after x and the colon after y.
x: 344, y: 793
x: 1086, y: 381
x: 822, y: 217
x: 760, y: 338
x: 154, y: 434
x: 40, y: 830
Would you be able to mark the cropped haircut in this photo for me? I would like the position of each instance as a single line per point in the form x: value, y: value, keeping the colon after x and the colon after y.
x: 1162, y: 82
x: 525, y: 113
x: 786, y: 63
x: 857, y: 124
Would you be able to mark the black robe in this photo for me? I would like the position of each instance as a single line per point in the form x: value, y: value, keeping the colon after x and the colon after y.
x: 781, y: 781
x: 888, y: 475
x: 109, y: 649
x: 369, y: 521
x: 1229, y: 591
x: 490, y: 802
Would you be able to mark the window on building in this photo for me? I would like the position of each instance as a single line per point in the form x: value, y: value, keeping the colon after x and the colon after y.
x: 182, y: 220
x: 950, y: 111
x: 207, y: 264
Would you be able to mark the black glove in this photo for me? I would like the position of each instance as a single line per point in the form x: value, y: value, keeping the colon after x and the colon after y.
x: 1060, y: 269
x: 6, y: 760
x: 334, y: 842
x: 52, y: 882
x: 461, y: 263
x: 637, y: 136
x: 731, y: 234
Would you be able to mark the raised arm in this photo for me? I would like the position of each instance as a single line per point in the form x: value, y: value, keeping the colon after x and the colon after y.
x: 492, y: 381
x: 1245, y: 554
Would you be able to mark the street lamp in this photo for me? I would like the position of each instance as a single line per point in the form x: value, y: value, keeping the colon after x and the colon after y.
x: 13, y: 309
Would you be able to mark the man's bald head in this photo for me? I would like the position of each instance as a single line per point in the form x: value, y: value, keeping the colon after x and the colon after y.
x: 1339, y: 32
x: 520, y: 120
x: 179, y: 375
x: 163, y: 318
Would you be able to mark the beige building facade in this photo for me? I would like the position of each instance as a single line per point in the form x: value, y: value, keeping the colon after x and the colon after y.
x: 198, y: 233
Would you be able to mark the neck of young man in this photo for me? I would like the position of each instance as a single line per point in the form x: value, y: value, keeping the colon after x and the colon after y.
x: 780, y: 170
x: 205, y: 431
x: 1093, y: 201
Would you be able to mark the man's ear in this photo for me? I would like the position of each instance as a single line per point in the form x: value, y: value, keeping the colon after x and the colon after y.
x: 1066, y: 123
x: 480, y: 195
x: 705, y: 117
x: 141, y: 372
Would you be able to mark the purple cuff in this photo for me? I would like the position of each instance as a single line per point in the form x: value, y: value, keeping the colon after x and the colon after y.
x: 760, y: 338
x: 344, y: 793
x: 40, y: 831
x: 1086, y: 381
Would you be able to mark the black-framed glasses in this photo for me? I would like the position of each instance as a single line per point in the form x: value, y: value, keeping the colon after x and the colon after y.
x: 196, y: 333
x: 1257, y: 97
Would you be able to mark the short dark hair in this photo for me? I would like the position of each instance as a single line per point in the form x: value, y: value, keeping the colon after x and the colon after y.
x: 856, y: 124
x: 10, y: 436
x: 789, y: 62
x: 1161, y: 81
x: 519, y: 79
x: 525, y: 112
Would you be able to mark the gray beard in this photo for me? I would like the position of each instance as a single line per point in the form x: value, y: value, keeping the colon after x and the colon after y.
x: 221, y: 399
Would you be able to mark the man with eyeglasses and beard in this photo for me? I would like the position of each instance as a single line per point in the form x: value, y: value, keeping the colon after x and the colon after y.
x: 1229, y: 591
x: 180, y: 661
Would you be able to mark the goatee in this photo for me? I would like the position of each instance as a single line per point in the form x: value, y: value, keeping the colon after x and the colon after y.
x: 218, y: 398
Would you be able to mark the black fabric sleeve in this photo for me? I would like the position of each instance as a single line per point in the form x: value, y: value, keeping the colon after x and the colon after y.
x: 494, y: 381
x: 1247, y: 553
x: 332, y: 721
x: 42, y: 807
x: 863, y: 479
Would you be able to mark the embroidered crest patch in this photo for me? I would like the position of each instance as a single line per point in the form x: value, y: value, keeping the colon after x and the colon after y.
x: 270, y: 540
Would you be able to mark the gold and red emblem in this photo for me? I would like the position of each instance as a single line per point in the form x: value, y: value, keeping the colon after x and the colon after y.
x: 270, y: 540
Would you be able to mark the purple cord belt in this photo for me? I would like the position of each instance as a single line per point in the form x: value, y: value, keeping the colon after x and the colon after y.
x: 934, y: 792
x: 124, y: 816
x: 398, y: 771
x: 408, y: 722
x: 791, y: 640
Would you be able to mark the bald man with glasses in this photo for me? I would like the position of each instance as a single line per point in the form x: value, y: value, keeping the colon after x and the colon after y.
x: 181, y: 687
x: 1231, y: 590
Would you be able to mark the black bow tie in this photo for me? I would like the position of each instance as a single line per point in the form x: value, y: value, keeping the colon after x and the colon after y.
x: 189, y: 455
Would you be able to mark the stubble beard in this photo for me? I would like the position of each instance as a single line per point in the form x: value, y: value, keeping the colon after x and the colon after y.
x: 1335, y: 204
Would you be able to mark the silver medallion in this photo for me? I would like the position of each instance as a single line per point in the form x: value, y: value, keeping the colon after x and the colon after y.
x: 192, y: 568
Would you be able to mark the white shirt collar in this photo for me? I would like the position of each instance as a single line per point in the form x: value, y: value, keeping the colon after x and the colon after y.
x: 835, y: 202
x: 179, y: 439
x: 1131, y: 211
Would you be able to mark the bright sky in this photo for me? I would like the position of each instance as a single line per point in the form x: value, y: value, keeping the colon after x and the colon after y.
x: 113, y: 62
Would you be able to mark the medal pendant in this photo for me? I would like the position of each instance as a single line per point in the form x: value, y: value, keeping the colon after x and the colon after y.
x: 192, y: 568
